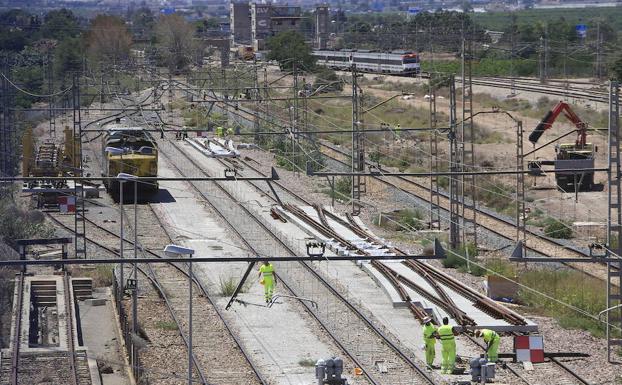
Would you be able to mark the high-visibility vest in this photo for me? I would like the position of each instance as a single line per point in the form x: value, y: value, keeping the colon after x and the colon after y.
x: 428, y: 332
x: 489, y: 335
x: 446, y: 333
x: 267, y: 270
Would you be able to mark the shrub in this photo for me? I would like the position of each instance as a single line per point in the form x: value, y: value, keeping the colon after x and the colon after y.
x: 557, y: 229
x: 227, y: 286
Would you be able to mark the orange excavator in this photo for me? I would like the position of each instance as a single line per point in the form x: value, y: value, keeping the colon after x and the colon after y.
x: 577, y: 155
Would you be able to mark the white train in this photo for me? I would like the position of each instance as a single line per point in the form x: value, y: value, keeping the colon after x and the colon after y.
x: 395, y: 62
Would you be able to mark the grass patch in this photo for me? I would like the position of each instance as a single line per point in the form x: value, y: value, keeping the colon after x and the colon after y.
x: 555, y: 228
x: 227, y: 285
x: 166, y: 325
x: 496, y: 196
x: 457, y: 259
x: 306, y: 362
x: 401, y: 220
x: 568, y: 286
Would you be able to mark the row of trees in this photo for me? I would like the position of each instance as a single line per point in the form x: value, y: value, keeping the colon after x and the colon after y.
x: 29, y: 43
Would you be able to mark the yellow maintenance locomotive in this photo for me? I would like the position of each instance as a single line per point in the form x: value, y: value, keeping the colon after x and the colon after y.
x: 130, y: 150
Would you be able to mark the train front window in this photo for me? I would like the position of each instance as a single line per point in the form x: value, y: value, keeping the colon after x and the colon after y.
x: 410, y: 60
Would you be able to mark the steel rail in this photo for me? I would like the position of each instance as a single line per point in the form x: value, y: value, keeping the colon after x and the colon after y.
x: 158, y: 287
x: 410, y: 284
x: 353, y: 308
x: 17, y: 330
x: 69, y: 309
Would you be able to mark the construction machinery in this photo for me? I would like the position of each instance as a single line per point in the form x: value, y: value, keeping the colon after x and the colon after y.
x: 130, y: 150
x: 48, y: 162
x: 569, y: 156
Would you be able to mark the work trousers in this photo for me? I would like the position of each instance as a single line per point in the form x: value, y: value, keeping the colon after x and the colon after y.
x: 448, y: 350
x: 493, y: 351
x: 268, y: 287
x: 430, y: 351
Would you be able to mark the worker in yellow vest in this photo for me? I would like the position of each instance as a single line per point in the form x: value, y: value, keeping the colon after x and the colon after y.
x: 447, y: 335
x: 220, y: 132
x: 230, y: 131
x: 267, y: 279
x: 429, y: 331
x: 492, y: 340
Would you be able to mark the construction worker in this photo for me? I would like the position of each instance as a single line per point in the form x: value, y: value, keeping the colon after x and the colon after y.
x: 220, y: 132
x: 230, y: 131
x: 429, y: 330
x: 398, y: 130
x: 267, y: 279
x: 492, y: 339
x: 448, y: 346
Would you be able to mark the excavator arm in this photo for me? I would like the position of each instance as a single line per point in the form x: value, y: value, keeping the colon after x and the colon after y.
x: 550, y: 118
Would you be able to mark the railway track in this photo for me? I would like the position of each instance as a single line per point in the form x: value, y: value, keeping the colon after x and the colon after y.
x: 497, y: 225
x: 553, y: 366
x: 32, y: 366
x: 402, y: 366
x: 230, y: 363
x: 551, y: 88
x: 301, y: 199
x: 501, y: 227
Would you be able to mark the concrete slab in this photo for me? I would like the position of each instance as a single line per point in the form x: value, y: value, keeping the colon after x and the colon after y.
x: 99, y: 334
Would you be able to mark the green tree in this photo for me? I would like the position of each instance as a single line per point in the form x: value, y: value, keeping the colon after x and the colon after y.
x: 108, y: 40
x: 176, y: 41
x: 68, y: 56
x: 59, y: 25
x: 615, y: 69
x: 289, y: 47
x: 326, y: 80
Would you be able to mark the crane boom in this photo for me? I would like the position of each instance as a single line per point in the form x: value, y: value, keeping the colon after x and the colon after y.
x: 550, y: 118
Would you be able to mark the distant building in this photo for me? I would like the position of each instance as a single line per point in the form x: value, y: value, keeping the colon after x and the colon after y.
x: 254, y: 23
x: 240, y: 21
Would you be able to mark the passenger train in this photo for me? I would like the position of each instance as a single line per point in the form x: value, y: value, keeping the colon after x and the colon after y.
x: 395, y: 62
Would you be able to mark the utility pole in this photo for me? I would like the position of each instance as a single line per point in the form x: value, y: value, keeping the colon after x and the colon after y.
x: 358, y: 149
x: 50, y: 79
x: 79, y: 217
x: 257, y: 96
x: 435, y: 215
x: 465, y: 145
x: 295, y: 117
x: 614, y: 226
x: 598, y: 52
x: 454, y: 166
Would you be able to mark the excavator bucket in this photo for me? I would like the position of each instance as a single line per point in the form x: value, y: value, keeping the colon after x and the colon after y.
x: 540, y: 128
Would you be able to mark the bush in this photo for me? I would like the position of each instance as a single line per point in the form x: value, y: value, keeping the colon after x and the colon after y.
x: 227, y: 286
x: 401, y: 220
x: 18, y: 223
x: 328, y: 80
x: 557, y: 229
x: 457, y: 259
